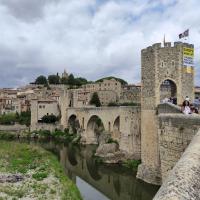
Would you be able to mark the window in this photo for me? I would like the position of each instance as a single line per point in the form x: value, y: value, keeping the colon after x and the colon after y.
x: 43, y: 106
x: 40, y: 106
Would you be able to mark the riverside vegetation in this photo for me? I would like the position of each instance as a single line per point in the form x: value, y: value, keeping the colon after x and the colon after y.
x: 45, y: 134
x: 30, y: 172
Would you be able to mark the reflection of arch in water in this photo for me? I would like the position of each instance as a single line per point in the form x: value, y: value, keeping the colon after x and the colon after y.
x: 71, y: 153
x: 94, y: 126
x: 168, y: 89
x: 117, y: 185
x: 73, y: 123
x: 93, y: 169
x: 116, y: 128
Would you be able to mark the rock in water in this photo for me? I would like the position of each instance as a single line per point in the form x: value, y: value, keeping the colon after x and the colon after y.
x: 105, y: 149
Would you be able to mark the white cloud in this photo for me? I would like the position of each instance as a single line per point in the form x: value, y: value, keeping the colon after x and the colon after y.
x: 90, y: 38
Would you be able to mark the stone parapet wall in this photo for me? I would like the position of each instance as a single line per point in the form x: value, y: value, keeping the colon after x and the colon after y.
x: 43, y: 126
x: 13, y: 128
x: 168, y: 108
x: 183, y: 181
x: 175, y: 132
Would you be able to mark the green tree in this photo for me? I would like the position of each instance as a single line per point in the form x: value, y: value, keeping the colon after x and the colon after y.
x: 71, y: 79
x: 54, y: 79
x: 64, y: 80
x: 95, y: 100
x: 25, y: 118
x: 8, y: 119
x: 49, y: 119
x: 41, y: 80
x: 80, y: 81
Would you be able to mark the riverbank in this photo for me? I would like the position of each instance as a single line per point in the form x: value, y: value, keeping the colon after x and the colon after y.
x: 30, y: 172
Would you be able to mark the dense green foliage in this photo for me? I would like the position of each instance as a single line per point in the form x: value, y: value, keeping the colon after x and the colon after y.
x: 123, y: 82
x: 54, y: 79
x: 24, y: 118
x: 9, y: 119
x: 132, y: 164
x: 58, y: 134
x: 49, y: 119
x: 41, y: 80
x: 95, y: 100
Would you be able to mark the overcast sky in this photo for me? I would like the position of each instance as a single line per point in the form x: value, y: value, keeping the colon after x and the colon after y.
x: 89, y: 38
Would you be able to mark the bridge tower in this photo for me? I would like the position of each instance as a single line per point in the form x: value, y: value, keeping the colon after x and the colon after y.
x: 165, y: 73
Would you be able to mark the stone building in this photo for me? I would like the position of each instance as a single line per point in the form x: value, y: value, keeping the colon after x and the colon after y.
x: 42, y: 107
x: 163, y: 75
x: 108, y: 91
x: 9, y: 105
x: 109, y: 85
x: 130, y: 94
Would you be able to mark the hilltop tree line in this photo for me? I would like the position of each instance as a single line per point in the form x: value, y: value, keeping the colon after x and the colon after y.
x: 56, y: 79
x: 70, y: 80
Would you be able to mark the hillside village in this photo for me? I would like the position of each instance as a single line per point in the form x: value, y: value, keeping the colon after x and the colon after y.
x: 110, y: 92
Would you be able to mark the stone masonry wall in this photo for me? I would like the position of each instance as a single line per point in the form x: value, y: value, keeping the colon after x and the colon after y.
x: 175, y: 133
x: 183, y: 181
x: 14, y: 128
x: 43, y: 126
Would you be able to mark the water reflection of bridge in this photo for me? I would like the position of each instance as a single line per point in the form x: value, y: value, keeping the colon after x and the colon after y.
x: 115, y: 184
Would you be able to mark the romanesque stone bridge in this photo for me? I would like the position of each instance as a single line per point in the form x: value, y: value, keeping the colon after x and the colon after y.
x: 123, y: 123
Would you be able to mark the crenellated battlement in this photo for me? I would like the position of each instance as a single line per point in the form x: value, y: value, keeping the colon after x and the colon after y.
x: 168, y: 45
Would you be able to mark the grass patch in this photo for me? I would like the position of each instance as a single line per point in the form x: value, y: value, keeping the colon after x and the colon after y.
x: 39, y: 176
x: 37, y: 165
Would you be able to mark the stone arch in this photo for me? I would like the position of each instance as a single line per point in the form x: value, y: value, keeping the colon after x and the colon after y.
x: 73, y: 123
x: 116, y: 128
x: 168, y: 88
x: 94, y: 127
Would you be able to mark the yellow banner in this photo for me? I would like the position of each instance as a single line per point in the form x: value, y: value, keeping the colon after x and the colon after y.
x: 188, y: 56
x: 188, y: 52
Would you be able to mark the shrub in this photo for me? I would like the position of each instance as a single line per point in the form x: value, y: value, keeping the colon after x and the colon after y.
x: 132, y: 164
x: 44, y: 133
x: 49, y: 119
x: 8, y: 119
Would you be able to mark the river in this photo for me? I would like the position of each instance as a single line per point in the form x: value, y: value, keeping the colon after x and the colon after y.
x: 98, y: 181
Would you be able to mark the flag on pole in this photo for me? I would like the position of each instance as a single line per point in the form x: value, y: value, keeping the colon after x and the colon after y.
x: 184, y: 34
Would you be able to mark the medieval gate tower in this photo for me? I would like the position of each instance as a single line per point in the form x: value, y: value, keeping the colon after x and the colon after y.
x: 165, y: 73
